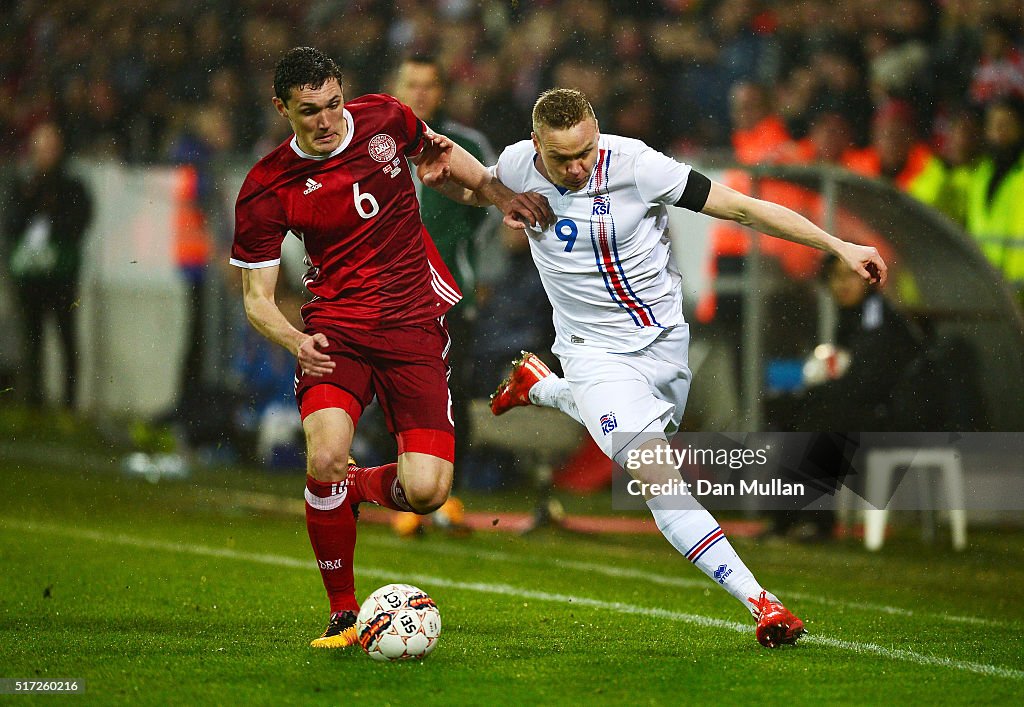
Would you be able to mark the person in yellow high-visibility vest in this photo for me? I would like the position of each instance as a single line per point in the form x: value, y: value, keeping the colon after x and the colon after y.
x: 995, y: 193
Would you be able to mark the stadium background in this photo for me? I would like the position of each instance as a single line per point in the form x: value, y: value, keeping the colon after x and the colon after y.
x: 153, y: 93
x: 164, y: 105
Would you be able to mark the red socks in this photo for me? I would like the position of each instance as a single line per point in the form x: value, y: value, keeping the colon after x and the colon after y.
x: 331, y: 524
x: 379, y: 484
x: 332, y: 533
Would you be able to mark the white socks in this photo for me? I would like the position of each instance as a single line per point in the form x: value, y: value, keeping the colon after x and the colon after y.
x: 693, y: 532
x: 699, y: 538
x: 553, y: 392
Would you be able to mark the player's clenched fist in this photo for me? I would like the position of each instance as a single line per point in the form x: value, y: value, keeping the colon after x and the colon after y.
x: 866, y: 262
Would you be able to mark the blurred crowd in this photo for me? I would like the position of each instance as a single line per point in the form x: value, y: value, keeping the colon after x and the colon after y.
x: 125, y: 77
x: 892, y: 89
x: 923, y: 93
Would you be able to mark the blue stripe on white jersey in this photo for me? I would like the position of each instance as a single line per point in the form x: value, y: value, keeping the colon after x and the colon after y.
x: 625, y: 280
x: 603, y: 221
x: 597, y: 184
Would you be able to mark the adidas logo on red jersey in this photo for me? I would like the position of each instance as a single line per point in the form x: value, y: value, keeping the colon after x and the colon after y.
x: 312, y: 185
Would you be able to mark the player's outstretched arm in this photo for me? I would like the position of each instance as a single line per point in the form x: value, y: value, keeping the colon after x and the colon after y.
x: 776, y: 220
x: 472, y: 183
x: 258, y: 287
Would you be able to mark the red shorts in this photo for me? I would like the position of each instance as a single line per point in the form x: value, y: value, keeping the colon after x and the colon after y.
x: 406, y: 367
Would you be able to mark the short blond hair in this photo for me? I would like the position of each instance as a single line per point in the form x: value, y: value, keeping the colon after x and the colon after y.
x: 561, y: 108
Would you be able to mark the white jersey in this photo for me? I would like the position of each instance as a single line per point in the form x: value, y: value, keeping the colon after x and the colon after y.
x: 606, y: 264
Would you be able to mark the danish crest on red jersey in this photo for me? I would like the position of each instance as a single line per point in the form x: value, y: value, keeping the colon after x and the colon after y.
x: 383, y: 147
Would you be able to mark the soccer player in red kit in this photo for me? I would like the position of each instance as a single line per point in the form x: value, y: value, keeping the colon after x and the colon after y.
x: 375, y: 323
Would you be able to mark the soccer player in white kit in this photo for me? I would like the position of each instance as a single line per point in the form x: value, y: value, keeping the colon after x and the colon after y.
x: 608, y: 270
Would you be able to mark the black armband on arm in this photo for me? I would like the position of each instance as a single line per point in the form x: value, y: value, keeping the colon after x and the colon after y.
x: 695, y: 195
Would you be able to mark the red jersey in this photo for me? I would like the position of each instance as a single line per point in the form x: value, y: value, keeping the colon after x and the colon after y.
x: 372, y: 263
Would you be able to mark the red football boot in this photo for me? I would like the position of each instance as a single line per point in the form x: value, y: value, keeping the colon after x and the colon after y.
x: 514, y: 391
x: 776, y: 625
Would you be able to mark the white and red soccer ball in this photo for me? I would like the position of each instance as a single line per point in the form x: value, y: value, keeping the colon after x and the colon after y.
x: 397, y: 622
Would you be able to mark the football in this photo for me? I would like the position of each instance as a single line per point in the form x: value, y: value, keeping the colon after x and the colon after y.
x: 397, y: 622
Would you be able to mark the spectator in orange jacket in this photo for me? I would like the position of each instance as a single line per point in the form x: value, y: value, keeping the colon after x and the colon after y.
x: 758, y: 135
x: 897, y: 154
x: 829, y: 141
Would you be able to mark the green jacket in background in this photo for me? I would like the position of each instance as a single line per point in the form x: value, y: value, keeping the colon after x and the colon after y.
x: 997, y: 224
x: 455, y: 227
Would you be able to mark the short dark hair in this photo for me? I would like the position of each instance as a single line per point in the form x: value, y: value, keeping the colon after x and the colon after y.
x: 561, y: 108
x: 303, y: 66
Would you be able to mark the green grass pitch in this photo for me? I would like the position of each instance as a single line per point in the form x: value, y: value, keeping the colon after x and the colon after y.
x: 181, y: 593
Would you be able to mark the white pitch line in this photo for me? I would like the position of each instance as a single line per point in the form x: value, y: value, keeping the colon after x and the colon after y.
x: 899, y: 654
x: 670, y: 581
x: 266, y: 500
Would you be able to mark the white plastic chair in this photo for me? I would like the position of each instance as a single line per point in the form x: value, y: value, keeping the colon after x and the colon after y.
x: 881, y: 464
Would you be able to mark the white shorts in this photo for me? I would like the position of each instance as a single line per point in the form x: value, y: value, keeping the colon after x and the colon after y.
x: 626, y: 399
